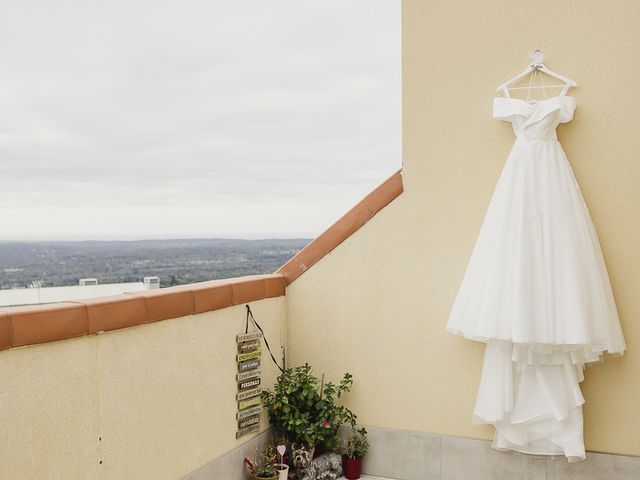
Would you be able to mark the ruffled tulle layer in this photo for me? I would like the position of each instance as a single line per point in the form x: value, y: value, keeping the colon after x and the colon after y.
x: 536, y: 408
x: 524, y: 354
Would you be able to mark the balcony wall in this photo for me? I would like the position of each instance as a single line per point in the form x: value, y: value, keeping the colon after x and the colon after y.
x: 377, y: 305
x: 150, y: 401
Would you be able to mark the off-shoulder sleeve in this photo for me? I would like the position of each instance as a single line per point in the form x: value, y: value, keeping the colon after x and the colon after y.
x: 567, y: 109
x: 502, y: 109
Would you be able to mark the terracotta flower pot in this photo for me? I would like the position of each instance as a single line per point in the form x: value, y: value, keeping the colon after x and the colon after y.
x: 352, y: 468
x: 275, y: 477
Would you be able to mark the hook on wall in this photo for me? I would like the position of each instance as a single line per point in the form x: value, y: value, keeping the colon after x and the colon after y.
x: 537, y: 58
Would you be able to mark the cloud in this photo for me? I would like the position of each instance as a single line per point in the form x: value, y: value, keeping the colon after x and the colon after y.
x: 143, y: 119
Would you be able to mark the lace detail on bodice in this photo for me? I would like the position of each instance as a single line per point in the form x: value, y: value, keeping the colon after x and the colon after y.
x: 535, y: 121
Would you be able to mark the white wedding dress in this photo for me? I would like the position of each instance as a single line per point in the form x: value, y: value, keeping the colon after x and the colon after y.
x: 536, y: 291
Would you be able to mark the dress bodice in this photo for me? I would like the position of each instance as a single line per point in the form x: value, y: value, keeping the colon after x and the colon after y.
x: 535, y: 121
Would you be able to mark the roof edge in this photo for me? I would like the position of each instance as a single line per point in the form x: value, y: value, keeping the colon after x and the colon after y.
x: 346, y: 226
x: 70, y: 319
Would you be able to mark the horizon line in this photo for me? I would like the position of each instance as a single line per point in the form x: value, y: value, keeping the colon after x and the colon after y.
x: 155, y: 239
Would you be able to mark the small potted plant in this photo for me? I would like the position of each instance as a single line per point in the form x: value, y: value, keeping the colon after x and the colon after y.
x: 305, y: 409
x: 357, y: 446
x: 282, y: 467
x: 262, y: 466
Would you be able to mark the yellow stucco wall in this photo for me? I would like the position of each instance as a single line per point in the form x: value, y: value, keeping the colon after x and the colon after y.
x: 378, y: 304
x: 154, y: 401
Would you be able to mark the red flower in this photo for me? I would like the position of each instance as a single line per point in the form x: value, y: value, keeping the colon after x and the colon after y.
x: 325, y: 424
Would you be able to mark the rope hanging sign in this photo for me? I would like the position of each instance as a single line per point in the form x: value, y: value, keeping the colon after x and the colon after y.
x: 249, y: 380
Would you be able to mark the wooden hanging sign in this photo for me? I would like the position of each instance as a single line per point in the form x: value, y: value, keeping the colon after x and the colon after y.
x: 247, y: 422
x: 254, y: 392
x: 248, y: 412
x: 246, y: 431
x: 251, y: 383
x: 243, y: 357
x: 246, y: 347
x: 250, y: 402
x: 248, y: 377
x: 248, y: 365
x: 248, y: 374
x: 248, y: 337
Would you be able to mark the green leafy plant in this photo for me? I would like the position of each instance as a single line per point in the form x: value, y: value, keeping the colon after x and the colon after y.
x: 263, y: 463
x: 305, y: 409
x: 357, y: 444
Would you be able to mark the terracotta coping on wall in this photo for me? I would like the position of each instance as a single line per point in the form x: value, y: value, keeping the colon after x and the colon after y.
x: 343, y: 228
x: 59, y: 321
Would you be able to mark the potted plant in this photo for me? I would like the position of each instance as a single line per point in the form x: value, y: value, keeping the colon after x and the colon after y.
x: 304, y: 408
x: 283, y: 468
x: 357, y: 446
x: 262, y: 466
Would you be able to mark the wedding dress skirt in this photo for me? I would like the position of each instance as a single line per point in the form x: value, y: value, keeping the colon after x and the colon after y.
x: 536, y: 291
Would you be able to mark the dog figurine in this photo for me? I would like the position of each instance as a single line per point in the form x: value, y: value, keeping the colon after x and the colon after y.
x: 301, y: 456
x: 327, y: 466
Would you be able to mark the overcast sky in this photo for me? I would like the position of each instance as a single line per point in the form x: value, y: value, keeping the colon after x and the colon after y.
x: 150, y: 119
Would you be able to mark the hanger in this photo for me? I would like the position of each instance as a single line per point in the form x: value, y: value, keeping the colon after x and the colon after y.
x: 537, y: 65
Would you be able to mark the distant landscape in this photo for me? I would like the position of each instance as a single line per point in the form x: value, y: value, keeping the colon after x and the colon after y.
x: 176, y: 262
